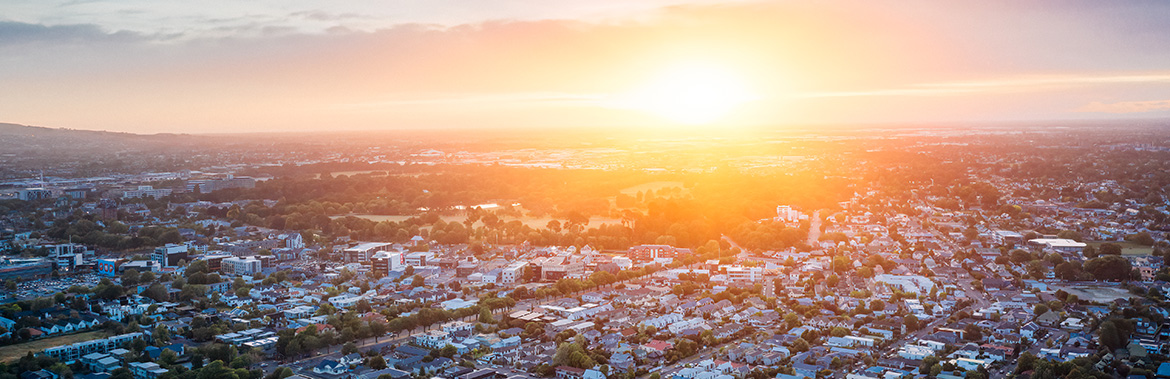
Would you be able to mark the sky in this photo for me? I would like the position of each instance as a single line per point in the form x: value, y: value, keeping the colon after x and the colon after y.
x: 223, y: 66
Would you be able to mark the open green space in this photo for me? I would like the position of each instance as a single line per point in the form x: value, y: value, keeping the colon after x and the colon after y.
x: 13, y: 352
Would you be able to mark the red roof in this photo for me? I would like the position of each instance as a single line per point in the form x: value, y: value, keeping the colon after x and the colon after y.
x: 659, y: 345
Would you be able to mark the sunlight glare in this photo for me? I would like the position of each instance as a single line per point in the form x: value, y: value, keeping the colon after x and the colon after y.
x: 690, y: 94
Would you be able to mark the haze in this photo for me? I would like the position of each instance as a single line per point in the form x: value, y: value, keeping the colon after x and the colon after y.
x: 264, y: 66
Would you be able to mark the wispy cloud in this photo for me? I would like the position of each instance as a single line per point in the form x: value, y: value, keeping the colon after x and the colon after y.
x: 1014, y: 84
x: 490, y: 100
x: 18, y: 32
x: 1125, y: 107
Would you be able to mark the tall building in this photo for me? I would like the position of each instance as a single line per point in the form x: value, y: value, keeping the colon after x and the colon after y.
x: 214, y: 261
x: 242, y: 265
x: 385, y: 261
x: 362, y: 252
x: 66, y: 256
x: 169, y: 255
x: 513, y: 272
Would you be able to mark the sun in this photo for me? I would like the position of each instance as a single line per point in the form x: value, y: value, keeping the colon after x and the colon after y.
x: 691, y: 94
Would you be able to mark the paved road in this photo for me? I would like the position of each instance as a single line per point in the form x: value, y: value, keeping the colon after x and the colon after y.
x: 814, y: 228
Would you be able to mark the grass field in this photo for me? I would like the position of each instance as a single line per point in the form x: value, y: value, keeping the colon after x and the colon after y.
x: 1100, y: 294
x: 13, y: 352
x: 532, y: 222
x: 1127, y: 248
x: 651, y: 186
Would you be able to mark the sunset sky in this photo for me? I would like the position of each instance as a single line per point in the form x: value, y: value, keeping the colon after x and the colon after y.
x: 284, y: 65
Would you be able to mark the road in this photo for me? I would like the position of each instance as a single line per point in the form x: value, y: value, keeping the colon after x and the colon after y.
x: 814, y: 228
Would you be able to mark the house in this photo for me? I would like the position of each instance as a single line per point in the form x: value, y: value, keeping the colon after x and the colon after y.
x: 566, y: 372
x: 623, y: 361
x: 656, y: 348
x: 1029, y: 330
x: 351, y: 359
x: 329, y: 366
x: 146, y: 370
x: 1049, y: 318
x: 39, y: 374
x: 1164, y: 370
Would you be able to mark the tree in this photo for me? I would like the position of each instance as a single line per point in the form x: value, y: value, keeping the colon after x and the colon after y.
x: 162, y: 334
x: 1109, y: 267
x: 1020, y: 256
x: 408, y: 271
x: 1068, y: 270
x: 1109, y: 249
x: 911, y: 322
x: 377, y: 362
x: 800, y: 345
x: 348, y: 348
x: 485, y: 315
x: 377, y: 329
x: 284, y: 372
x: 1110, y: 335
x: 417, y: 281
x: 157, y: 292
x: 129, y: 277
x: 1040, y: 309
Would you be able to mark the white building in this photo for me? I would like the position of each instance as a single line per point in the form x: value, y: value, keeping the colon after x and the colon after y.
x: 146, y: 191
x: 907, y: 283
x: 1061, y: 245
x: 744, y: 274
x: 362, y: 252
x: 241, y: 265
x: 345, y: 300
x: 513, y: 272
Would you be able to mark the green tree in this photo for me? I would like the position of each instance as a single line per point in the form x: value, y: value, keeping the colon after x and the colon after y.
x: 485, y: 316
x: 377, y: 362
x: 1109, y: 267
x: 1109, y: 249
x: 348, y: 348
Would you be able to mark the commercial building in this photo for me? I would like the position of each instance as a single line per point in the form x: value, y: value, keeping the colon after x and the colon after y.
x: 1060, y: 245
x: 109, y: 267
x: 513, y: 273
x: 241, y: 265
x: 66, y: 256
x: 419, y: 259
x: 169, y: 254
x: 648, y: 253
x: 744, y: 274
x: 363, y: 252
x: 73, y: 352
x: 25, y: 268
x: 32, y: 194
x: 214, y: 260
x: 385, y: 261
x: 146, y: 191
x: 212, y: 185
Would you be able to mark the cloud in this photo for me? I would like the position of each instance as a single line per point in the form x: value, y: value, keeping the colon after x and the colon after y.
x: 490, y: 100
x: 1125, y: 107
x: 12, y: 32
x: 1008, y: 84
